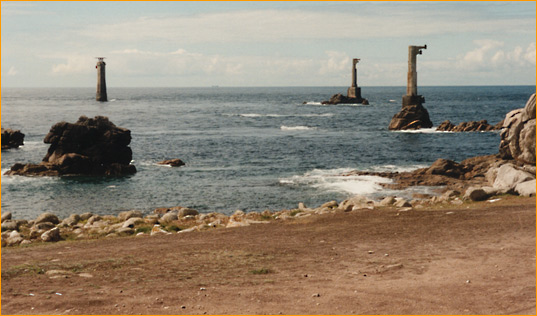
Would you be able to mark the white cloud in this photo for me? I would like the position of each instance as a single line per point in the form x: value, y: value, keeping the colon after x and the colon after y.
x: 75, y: 64
x: 12, y: 71
x: 490, y: 55
x: 336, y: 62
x: 290, y: 25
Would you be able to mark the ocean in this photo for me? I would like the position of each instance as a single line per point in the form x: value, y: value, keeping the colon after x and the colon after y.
x: 245, y: 148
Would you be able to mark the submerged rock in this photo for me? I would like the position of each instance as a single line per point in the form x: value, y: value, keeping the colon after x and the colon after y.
x: 172, y: 162
x: 340, y: 98
x: 471, y: 126
x: 91, y: 146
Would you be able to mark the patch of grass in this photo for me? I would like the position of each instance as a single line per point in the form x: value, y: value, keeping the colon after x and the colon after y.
x: 261, y: 271
x: 294, y: 212
x: 143, y: 229
x: 171, y: 228
x: 22, y: 269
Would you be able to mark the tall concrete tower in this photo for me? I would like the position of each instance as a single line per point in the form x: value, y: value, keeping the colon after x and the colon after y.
x: 354, y: 91
x: 101, y: 80
x: 412, y: 97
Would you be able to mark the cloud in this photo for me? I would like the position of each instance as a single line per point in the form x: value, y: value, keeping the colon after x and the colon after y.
x: 272, y: 25
x: 336, y: 62
x: 12, y: 71
x: 490, y: 56
x: 75, y: 64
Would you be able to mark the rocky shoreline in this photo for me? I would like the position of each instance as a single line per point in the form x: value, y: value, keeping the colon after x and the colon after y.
x: 511, y: 171
x: 474, y: 179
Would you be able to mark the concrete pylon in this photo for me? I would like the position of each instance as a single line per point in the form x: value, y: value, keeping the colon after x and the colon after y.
x: 101, y: 80
x: 412, y: 97
x: 354, y: 91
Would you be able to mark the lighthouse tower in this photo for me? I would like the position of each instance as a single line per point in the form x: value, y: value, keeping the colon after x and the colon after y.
x: 101, y: 81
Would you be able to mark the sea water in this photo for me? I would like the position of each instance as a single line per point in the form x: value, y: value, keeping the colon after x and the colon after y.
x: 245, y: 148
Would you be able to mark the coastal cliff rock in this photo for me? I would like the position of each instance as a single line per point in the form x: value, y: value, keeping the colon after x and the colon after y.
x: 471, y: 126
x: 12, y: 138
x: 411, y: 117
x: 518, y: 134
x: 91, y: 146
x: 340, y: 98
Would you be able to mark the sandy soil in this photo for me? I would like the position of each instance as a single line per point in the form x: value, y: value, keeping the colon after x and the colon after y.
x: 475, y: 258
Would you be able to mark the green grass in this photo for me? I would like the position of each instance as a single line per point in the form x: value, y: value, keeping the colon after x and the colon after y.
x: 261, y: 271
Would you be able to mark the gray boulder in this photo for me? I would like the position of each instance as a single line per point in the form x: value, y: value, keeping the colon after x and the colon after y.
x: 52, y: 235
x: 14, y: 238
x: 479, y: 193
x: 133, y: 221
x: 47, y: 217
x: 6, y: 216
x: 509, y: 176
x: 72, y: 220
x: 526, y: 188
x: 168, y: 218
x: 123, y: 216
x: 10, y: 225
x: 518, y: 134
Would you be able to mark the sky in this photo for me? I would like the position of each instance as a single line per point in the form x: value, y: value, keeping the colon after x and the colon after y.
x: 274, y: 43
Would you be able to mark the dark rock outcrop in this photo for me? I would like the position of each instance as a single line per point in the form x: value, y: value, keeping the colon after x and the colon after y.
x: 518, y: 134
x: 341, y: 99
x: 12, y: 138
x: 91, y: 146
x: 471, y: 126
x: 413, y: 116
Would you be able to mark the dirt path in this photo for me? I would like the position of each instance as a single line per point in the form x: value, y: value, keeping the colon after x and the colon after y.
x: 476, y: 260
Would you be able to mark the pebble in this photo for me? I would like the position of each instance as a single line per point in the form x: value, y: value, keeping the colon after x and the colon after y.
x: 370, y: 252
x: 316, y: 295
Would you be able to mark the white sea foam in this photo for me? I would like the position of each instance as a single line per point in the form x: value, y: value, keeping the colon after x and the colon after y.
x: 286, y: 115
x: 395, y: 168
x: 431, y: 130
x: 332, y: 180
x: 391, y: 101
x: 297, y: 128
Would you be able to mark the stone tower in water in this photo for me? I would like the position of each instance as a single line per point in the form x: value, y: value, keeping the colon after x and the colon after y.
x: 101, y: 80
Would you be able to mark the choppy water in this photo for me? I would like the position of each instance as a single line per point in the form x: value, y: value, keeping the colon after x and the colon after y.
x: 245, y: 148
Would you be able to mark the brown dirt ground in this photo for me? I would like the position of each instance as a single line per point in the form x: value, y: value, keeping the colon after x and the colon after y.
x: 475, y: 258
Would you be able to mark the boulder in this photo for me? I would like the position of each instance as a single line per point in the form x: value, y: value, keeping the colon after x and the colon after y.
x: 47, y: 217
x: 91, y: 146
x: 526, y: 188
x: 509, y: 176
x: 478, y: 193
x: 6, y: 216
x: 52, y: 235
x: 14, y: 238
x: 123, y: 216
x: 168, y: 218
x: 411, y: 117
x: 518, y: 134
x: 12, y: 138
x: 447, y: 168
x: 44, y: 226
x: 8, y: 225
x: 72, y: 220
x: 355, y: 203
x: 172, y: 162
x: 387, y: 201
x: 133, y: 221
x: 400, y: 202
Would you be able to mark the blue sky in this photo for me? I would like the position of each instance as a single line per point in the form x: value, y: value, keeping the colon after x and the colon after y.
x: 176, y: 44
